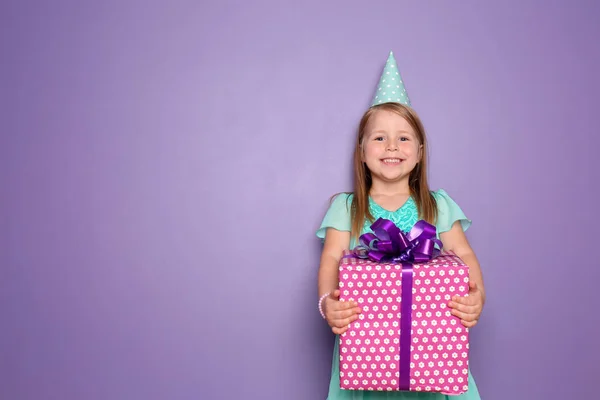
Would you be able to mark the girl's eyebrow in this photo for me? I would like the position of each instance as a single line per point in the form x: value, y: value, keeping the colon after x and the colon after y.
x: 381, y: 131
x: 407, y: 132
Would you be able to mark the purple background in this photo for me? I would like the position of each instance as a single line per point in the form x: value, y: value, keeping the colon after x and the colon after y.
x: 164, y: 169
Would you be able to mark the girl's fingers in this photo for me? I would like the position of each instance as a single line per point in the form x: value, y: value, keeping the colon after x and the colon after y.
x: 463, y: 316
x: 473, y: 286
x: 340, y: 305
x: 463, y: 308
x: 340, y: 323
x: 347, y: 313
x: 469, y: 300
x: 469, y: 324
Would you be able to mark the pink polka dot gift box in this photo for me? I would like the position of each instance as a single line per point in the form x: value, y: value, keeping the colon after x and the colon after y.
x: 405, y: 339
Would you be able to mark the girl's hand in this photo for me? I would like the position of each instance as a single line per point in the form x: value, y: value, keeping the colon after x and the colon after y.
x: 468, y: 308
x: 339, y: 314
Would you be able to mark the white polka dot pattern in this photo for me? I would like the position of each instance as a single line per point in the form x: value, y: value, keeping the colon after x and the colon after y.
x: 391, y: 87
x: 370, y: 348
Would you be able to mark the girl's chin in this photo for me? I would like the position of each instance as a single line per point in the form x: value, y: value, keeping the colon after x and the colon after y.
x: 389, y: 178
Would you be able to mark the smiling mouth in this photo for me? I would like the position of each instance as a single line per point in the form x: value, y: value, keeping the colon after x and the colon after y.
x: 392, y: 161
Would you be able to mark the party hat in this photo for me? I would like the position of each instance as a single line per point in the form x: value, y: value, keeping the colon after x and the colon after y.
x: 391, y: 88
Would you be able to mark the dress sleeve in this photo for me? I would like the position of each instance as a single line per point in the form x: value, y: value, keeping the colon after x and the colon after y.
x: 337, y: 216
x: 449, y: 212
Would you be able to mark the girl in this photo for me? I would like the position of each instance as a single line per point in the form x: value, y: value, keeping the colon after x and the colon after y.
x: 390, y: 181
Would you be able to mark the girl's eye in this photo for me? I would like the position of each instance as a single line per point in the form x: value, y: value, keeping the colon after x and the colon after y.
x: 379, y: 138
x: 403, y: 139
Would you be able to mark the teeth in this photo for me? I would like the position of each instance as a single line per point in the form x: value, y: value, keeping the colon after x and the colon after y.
x: 391, y: 160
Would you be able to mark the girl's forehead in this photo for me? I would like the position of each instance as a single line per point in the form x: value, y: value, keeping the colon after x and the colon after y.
x: 387, y: 121
x: 387, y: 117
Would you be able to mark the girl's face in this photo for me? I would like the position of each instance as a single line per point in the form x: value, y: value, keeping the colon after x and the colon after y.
x: 390, y: 147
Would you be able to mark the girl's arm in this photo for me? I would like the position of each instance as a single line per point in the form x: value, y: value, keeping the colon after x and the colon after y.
x: 467, y: 308
x: 338, y: 314
x: 335, y: 243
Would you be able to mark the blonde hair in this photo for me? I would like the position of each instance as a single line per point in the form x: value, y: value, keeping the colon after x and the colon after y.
x: 417, y: 181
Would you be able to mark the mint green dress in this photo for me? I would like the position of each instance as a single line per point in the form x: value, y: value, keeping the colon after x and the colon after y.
x: 338, y: 217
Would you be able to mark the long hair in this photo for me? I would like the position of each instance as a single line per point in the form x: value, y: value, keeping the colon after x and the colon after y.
x: 417, y: 181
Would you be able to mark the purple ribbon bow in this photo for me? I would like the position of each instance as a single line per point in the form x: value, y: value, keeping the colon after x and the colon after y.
x: 389, y: 243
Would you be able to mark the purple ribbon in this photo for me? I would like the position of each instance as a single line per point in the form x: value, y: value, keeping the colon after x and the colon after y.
x: 405, y: 326
x: 388, y: 243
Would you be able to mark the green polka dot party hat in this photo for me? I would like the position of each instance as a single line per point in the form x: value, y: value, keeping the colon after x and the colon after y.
x: 391, y: 87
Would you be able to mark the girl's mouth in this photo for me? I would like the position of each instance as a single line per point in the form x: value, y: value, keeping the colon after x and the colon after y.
x: 392, y: 161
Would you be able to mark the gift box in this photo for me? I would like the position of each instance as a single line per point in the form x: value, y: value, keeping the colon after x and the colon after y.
x: 405, y: 339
